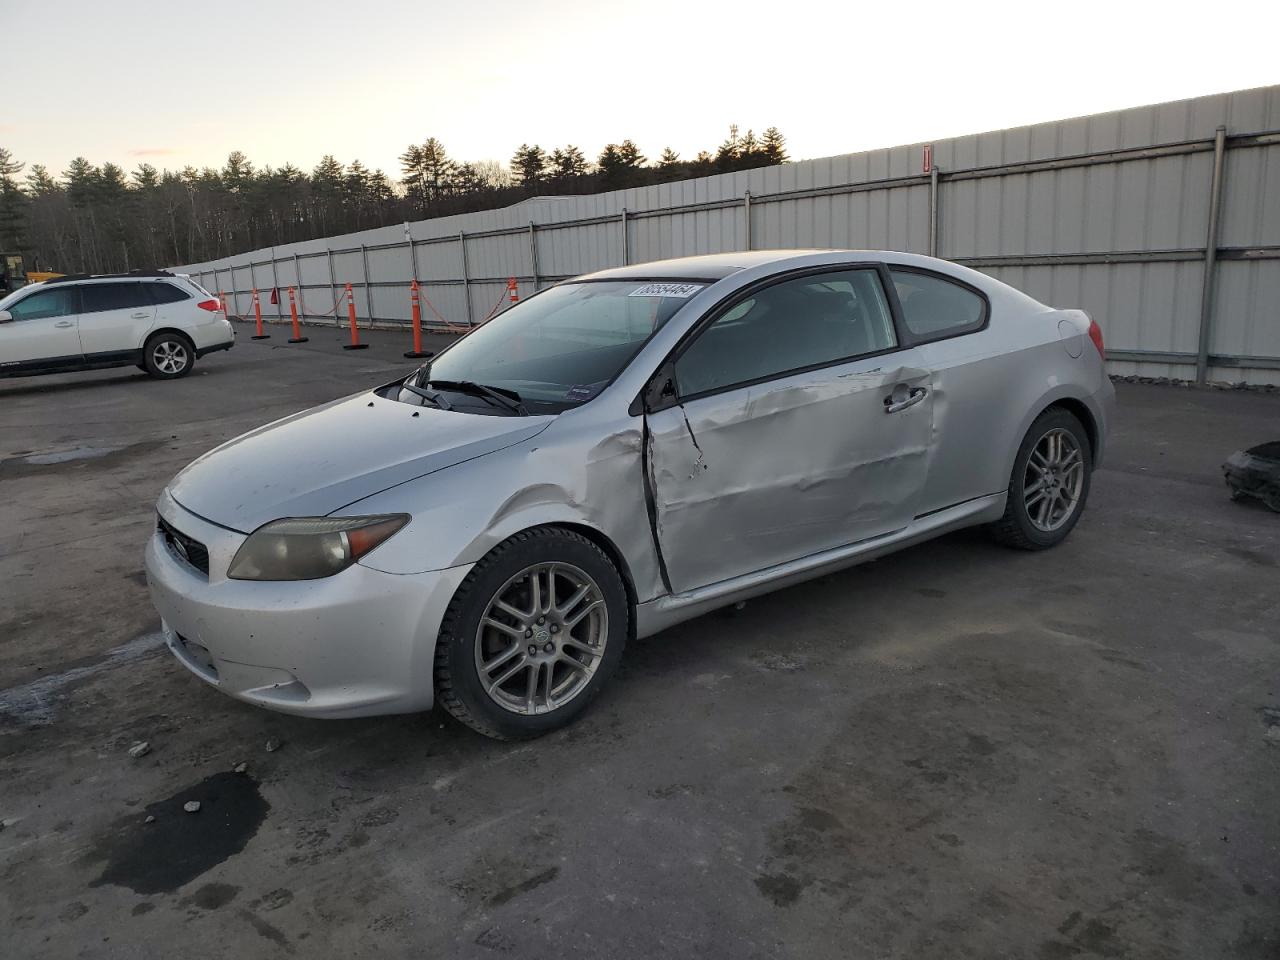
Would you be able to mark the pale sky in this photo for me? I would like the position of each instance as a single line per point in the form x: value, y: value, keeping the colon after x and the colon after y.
x: 180, y: 82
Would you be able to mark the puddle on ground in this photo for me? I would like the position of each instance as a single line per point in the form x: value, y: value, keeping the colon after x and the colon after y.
x: 160, y: 857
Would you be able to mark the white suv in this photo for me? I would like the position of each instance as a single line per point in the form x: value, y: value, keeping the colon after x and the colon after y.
x: 159, y: 321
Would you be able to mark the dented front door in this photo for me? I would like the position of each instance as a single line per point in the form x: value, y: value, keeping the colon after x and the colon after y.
x: 775, y: 471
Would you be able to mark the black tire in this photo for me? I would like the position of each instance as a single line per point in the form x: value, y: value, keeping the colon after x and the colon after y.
x: 457, y: 677
x: 163, y: 351
x: 1016, y: 528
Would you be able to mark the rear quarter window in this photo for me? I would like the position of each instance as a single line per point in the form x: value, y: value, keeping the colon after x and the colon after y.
x: 162, y: 293
x: 934, y: 307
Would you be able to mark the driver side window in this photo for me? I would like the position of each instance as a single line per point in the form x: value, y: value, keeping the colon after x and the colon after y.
x: 805, y: 322
x: 44, y: 304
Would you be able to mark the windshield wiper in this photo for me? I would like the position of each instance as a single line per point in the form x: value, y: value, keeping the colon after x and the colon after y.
x: 435, y: 398
x: 507, y: 398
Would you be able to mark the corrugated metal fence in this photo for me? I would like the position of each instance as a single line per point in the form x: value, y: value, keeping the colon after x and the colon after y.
x: 1163, y: 222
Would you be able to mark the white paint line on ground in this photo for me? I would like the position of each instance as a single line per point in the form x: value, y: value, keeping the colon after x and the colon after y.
x: 32, y: 704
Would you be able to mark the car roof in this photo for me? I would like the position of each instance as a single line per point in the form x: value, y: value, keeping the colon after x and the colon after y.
x: 714, y: 266
x: 136, y: 276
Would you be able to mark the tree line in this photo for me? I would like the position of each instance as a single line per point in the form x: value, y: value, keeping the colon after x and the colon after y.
x: 100, y: 219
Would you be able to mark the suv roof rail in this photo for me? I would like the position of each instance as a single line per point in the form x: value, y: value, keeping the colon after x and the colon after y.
x: 132, y: 274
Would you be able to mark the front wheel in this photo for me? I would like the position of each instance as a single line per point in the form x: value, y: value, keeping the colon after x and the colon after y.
x: 1049, y: 484
x: 532, y: 634
x: 167, y: 356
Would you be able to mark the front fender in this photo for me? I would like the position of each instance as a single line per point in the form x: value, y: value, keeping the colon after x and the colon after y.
x: 462, y: 512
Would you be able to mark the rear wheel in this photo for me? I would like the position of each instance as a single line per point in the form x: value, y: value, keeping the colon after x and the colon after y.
x: 1049, y: 484
x: 532, y: 634
x: 168, y: 356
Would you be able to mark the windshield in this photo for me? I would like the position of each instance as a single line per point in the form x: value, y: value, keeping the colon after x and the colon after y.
x: 562, y: 347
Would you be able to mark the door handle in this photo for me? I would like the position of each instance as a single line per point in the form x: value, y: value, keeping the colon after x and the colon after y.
x: 903, y: 397
x: 65, y: 323
x: 139, y: 316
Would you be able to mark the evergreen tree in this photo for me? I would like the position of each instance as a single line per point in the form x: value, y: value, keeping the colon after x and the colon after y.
x: 632, y: 158
x: 774, y: 146
x: 414, y: 176
x: 437, y: 169
x: 13, y: 210
x: 40, y: 183
x: 469, y: 179
x: 668, y: 159
x: 727, y: 154
x: 9, y: 167
x: 328, y: 180
x: 381, y: 193
x: 568, y: 163
x: 529, y: 165
x: 238, y: 172
x: 356, y: 193
x: 610, y: 165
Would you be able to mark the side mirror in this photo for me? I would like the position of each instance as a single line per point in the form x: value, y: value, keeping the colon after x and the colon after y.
x: 6, y: 316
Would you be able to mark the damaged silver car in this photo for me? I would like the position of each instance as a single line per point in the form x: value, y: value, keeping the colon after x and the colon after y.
x: 614, y: 455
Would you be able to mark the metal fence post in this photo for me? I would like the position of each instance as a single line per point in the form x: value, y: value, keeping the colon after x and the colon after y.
x: 626, y: 240
x: 466, y: 274
x: 933, y: 209
x: 297, y: 280
x: 413, y: 259
x: 533, y: 256
x: 746, y: 210
x: 368, y: 289
x: 333, y: 285
x: 1211, y: 256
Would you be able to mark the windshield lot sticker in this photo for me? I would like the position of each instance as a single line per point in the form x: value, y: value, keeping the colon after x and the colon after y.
x: 582, y: 392
x: 680, y: 290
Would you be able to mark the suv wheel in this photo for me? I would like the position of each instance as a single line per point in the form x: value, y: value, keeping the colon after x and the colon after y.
x: 167, y: 356
x: 531, y: 635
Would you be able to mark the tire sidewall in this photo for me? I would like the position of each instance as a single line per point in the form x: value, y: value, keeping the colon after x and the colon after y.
x: 148, y: 360
x: 1050, y: 420
x: 461, y: 622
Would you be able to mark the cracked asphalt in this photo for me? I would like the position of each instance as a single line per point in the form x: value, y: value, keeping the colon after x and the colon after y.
x: 957, y: 751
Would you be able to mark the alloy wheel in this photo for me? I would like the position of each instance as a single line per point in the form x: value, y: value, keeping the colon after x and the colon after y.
x: 541, y: 638
x: 169, y: 356
x: 1054, y: 480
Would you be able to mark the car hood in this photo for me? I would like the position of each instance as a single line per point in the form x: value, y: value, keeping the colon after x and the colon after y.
x: 322, y: 459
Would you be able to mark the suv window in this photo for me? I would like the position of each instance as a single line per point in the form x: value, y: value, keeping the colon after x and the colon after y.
x: 162, y: 293
x: 46, y: 303
x: 114, y: 296
x: 933, y: 308
x: 805, y: 322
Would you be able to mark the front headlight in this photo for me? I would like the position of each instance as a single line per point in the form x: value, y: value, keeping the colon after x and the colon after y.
x: 309, y: 548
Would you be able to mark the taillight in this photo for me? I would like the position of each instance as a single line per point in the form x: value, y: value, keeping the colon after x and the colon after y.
x: 1095, y: 334
x: 211, y: 305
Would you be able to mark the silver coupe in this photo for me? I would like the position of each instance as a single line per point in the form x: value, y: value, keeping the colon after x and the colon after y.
x: 611, y: 456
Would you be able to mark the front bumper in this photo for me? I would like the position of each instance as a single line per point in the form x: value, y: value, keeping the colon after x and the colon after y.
x: 358, y: 643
